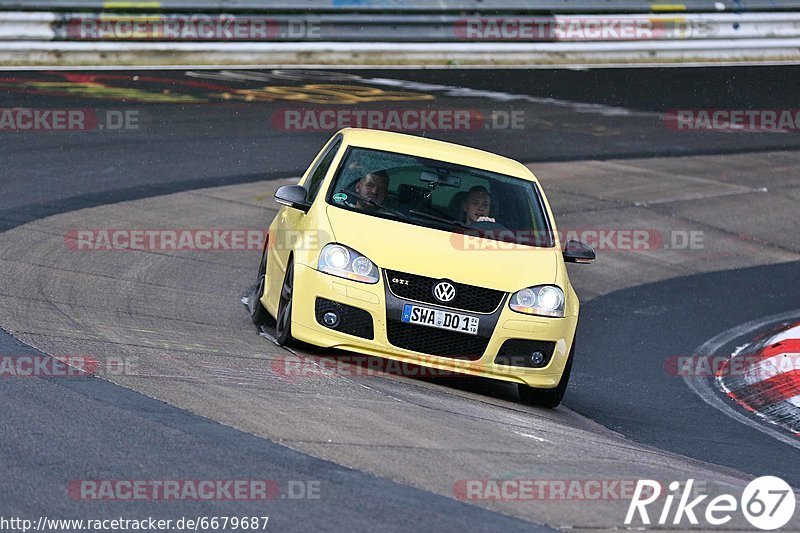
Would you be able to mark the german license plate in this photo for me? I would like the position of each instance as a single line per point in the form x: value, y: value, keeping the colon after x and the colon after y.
x: 436, y: 318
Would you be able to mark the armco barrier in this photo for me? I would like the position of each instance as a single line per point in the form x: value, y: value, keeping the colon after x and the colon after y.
x: 486, y: 7
x: 416, y: 32
x: 41, y: 26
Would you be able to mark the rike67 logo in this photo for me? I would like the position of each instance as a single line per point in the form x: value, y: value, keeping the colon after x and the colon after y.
x: 767, y: 503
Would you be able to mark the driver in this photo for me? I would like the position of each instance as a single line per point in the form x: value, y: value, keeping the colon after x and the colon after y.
x: 374, y: 186
x: 476, y: 205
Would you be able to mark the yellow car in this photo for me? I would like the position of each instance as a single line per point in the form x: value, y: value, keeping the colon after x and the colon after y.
x: 425, y: 252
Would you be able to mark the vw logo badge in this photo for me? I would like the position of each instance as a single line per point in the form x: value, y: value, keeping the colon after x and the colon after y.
x: 444, y: 291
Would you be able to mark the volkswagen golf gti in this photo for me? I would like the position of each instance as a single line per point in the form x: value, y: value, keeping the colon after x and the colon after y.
x: 425, y: 252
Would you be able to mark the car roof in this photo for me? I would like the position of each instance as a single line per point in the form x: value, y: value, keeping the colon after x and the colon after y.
x: 433, y: 149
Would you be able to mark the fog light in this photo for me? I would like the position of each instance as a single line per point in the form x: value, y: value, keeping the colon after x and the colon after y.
x: 537, y: 358
x: 330, y: 319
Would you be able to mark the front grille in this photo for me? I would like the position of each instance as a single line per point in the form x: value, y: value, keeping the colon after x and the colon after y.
x: 420, y: 288
x: 517, y: 352
x: 352, y: 320
x: 435, y: 341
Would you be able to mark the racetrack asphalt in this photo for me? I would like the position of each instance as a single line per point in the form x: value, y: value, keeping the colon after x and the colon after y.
x: 625, y: 334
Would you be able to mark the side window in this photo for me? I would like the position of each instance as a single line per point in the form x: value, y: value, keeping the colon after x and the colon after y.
x: 316, y: 178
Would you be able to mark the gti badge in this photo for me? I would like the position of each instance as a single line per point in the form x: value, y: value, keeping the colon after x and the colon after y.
x: 444, y: 291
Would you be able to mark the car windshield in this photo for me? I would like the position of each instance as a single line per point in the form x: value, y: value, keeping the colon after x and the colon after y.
x: 440, y: 195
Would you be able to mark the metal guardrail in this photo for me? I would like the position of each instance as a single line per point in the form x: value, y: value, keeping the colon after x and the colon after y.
x: 421, y: 32
x: 34, y: 26
x: 487, y: 7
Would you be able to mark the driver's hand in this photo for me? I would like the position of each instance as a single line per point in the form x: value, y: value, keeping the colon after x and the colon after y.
x: 485, y: 219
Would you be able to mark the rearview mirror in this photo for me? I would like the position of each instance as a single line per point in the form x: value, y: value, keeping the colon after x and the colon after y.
x: 440, y: 179
x: 578, y: 252
x: 293, y: 196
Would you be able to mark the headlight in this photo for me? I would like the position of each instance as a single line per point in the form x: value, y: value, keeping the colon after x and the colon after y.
x: 336, y: 256
x: 543, y: 300
x: 344, y: 262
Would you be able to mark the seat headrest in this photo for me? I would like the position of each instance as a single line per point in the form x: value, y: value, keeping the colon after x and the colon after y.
x: 411, y: 195
x: 455, y: 209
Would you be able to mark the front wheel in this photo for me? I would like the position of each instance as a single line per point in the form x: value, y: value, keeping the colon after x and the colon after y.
x: 283, y: 326
x: 258, y: 314
x: 548, y: 397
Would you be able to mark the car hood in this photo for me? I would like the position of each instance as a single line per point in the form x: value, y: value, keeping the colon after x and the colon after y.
x: 441, y: 254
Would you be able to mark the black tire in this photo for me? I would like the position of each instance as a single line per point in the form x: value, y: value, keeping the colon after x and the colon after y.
x: 283, y: 322
x: 258, y: 314
x: 548, y: 397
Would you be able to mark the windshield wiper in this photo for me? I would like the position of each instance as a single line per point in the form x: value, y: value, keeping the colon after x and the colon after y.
x: 373, y: 202
x: 439, y: 219
x: 456, y: 223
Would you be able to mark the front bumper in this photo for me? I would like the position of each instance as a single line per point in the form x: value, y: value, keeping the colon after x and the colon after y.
x: 310, y: 284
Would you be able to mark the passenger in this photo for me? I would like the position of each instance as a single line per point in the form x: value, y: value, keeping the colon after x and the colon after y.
x: 476, y: 205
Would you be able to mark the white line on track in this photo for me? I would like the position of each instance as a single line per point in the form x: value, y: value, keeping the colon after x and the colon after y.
x: 700, y: 196
x: 534, y: 437
x: 451, y: 91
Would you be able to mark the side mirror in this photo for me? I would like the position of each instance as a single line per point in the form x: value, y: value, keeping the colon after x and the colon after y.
x: 293, y: 196
x: 578, y: 252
